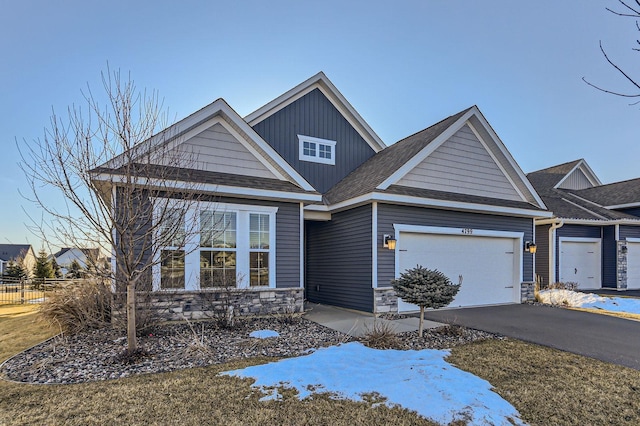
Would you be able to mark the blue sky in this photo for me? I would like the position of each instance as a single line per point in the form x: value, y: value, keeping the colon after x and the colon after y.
x: 403, y: 66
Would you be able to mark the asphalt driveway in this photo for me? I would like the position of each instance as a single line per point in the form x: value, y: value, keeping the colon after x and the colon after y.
x: 602, y: 337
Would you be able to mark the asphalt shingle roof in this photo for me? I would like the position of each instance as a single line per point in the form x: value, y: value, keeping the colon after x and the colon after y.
x: 625, y: 192
x: 208, y: 177
x: 571, y: 204
x: 12, y: 251
x: 376, y: 169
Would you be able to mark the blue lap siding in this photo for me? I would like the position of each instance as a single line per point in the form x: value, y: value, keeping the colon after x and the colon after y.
x: 338, y: 256
x: 388, y: 215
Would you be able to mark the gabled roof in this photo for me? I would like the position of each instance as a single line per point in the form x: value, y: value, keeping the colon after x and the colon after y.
x: 555, y: 176
x: 614, y: 195
x: 13, y: 251
x: 322, y: 83
x: 381, y: 172
x: 571, y: 203
x: 198, y: 121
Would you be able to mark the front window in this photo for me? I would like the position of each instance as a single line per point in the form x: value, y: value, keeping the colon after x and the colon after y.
x: 259, y: 249
x: 218, y: 234
x: 228, y: 245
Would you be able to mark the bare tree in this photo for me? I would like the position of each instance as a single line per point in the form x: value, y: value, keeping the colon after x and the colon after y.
x: 629, y: 10
x: 125, y: 185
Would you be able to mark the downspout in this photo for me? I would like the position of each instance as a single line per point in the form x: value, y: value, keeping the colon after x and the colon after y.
x: 552, y: 252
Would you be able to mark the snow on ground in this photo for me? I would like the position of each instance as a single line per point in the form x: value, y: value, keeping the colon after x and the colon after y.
x: 590, y: 301
x: 417, y: 380
x: 264, y: 334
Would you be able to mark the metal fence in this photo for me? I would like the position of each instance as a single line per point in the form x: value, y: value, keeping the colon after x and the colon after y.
x: 23, y: 290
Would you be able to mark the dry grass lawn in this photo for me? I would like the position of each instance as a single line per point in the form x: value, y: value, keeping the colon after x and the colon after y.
x: 547, y: 387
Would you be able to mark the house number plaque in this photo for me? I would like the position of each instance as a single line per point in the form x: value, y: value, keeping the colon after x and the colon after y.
x: 467, y: 231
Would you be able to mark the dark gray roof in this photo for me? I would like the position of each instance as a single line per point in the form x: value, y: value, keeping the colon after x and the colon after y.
x: 207, y: 177
x: 549, y: 177
x: 570, y: 204
x: 376, y: 169
x: 13, y: 251
x: 625, y: 192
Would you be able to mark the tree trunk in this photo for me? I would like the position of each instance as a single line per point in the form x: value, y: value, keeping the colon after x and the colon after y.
x: 421, y: 321
x: 132, y: 343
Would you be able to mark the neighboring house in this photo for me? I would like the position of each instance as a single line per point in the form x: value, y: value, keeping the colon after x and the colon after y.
x: 594, y: 237
x: 306, y: 175
x: 84, y: 256
x: 20, y: 253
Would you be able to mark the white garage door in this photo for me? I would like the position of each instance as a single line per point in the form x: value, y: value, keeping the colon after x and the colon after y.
x: 580, y: 262
x: 633, y: 265
x: 489, y: 265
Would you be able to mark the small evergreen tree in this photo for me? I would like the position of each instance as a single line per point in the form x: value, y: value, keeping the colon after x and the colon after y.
x: 57, y: 273
x: 15, y: 270
x: 43, y: 268
x: 427, y: 288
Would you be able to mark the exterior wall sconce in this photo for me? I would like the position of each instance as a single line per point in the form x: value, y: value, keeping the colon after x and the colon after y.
x: 623, y: 249
x: 530, y: 247
x: 389, y: 242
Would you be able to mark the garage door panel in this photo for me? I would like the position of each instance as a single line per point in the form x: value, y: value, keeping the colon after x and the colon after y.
x: 633, y: 265
x: 580, y: 262
x: 488, y: 265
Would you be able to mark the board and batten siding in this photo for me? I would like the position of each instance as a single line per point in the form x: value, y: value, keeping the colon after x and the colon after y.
x: 388, y: 215
x: 577, y: 231
x: 314, y: 115
x: 627, y: 231
x: 609, y: 257
x: 338, y: 260
x: 576, y: 180
x: 542, y: 254
x: 461, y: 165
x: 217, y: 150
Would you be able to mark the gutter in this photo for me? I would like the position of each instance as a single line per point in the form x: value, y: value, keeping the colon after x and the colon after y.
x: 552, y: 252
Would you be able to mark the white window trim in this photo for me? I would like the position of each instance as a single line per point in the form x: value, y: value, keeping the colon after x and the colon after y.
x: 316, y: 158
x: 192, y: 245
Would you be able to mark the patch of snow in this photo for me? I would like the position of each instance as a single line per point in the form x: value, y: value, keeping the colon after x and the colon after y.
x: 590, y: 301
x: 264, y: 334
x: 421, y: 381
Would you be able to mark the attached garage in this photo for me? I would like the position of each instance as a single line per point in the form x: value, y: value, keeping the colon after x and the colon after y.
x: 633, y: 264
x: 489, y: 262
x: 580, y: 262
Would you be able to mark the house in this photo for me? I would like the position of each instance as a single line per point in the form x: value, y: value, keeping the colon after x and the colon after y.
x: 593, y: 238
x: 84, y: 256
x: 315, y: 203
x: 22, y: 254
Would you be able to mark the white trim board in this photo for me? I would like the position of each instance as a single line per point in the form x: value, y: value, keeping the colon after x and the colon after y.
x: 432, y: 203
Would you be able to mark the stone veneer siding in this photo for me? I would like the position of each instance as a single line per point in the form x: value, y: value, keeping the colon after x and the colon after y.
x: 385, y: 299
x: 195, y: 305
x: 622, y: 265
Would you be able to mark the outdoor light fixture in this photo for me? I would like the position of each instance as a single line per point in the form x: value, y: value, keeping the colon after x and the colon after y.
x: 530, y: 247
x: 389, y: 242
x: 623, y: 249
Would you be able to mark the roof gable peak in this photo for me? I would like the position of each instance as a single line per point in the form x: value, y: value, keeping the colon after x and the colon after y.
x: 321, y: 82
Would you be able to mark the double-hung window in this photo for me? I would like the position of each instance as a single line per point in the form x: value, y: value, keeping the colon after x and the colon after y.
x: 171, y: 236
x: 218, y: 248
x: 317, y: 150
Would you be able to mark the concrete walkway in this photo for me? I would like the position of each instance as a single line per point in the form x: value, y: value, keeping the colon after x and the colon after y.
x: 357, y: 323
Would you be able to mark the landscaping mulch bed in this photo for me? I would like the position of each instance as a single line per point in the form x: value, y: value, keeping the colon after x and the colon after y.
x: 100, y: 354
